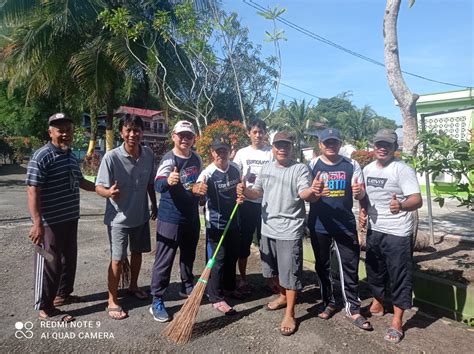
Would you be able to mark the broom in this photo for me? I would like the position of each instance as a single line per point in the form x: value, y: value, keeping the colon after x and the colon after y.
x: 180, y: 329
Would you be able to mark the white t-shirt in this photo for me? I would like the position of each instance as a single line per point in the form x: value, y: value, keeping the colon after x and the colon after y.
x: 250, y: 161
x: 380, y: 183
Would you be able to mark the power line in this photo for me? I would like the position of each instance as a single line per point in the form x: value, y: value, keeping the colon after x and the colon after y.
x: 324, y: 40
x: 306, y: 93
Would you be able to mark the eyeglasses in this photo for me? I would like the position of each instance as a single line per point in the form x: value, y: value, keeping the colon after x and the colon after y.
x: 187, y: 136
x: 384, y: 145
x: 282, y: 145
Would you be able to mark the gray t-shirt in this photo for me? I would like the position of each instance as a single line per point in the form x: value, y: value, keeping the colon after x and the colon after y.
x: 283, y: 211
x: 380, y: 183
x: 133, y: 177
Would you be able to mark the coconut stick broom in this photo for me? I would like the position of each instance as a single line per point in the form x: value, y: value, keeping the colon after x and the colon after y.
x: 180, y: 329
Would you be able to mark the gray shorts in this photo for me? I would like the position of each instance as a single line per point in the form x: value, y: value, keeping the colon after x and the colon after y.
x: 119, y: 236
x: 282, y: 259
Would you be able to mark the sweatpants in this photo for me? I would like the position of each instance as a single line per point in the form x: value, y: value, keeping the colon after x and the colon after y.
x: 346, y: 248
x: 184, y: 236
x: 56, y: 278
x: 223, y: 272
x: 389, y: 258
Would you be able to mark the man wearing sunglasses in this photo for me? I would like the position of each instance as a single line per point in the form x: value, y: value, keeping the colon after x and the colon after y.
x: 393, y: 193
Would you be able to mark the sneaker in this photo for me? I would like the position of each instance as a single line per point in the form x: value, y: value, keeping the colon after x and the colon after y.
x: 158, y: 311
x: 185, y: 292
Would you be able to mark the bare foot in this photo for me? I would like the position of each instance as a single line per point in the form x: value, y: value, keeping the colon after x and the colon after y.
x: 288, y: 326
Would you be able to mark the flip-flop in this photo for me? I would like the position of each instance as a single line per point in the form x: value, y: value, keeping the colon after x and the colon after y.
x: 70, y: 299
x: 360, y: 321
x: 275, y: 305
x: 57, y: 315
x: 292, y: 327
x: 118, y: 309
x: 365, y: 311
x: 138, y: 293
x: 393, y: 335
x: 327, y: 313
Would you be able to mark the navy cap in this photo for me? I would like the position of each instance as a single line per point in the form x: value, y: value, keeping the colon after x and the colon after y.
x: 57, y: 118
x: 330, y: 133
x: 220, y: 143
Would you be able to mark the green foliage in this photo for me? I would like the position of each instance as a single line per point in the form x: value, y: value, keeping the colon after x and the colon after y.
x: 363, y: 157
x: 443, y: 154
x: 90, y: 165
x: 80, y: 141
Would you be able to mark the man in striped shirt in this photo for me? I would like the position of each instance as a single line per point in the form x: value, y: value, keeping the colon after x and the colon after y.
x: 53, y: 180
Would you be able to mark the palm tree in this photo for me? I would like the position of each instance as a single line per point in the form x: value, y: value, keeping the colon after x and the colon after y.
x: 294, y: 118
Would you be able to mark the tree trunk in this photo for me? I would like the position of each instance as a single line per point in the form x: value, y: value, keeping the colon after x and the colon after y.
x: 109, y: 121
x: 406, y: 100
x: 93, y: 137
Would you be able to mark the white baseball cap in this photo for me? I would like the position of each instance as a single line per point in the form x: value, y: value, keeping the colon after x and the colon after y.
x: 184, y: 126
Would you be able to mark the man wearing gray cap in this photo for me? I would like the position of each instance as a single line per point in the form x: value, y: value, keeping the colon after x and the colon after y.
x: 283, y: 185
x: 392, y: 194
x: 53, y: 180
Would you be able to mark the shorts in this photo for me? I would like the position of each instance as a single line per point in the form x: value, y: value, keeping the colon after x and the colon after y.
x: 119, y: 237
x: 282, y: 258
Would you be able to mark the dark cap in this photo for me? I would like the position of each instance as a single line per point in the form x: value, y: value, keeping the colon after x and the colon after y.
x: 283, y: 136
x: 330, y: 133
x: 57, y: 118
x: 220, y: 143
x: 386, y: 135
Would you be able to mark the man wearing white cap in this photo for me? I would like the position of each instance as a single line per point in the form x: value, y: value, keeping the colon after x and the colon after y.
x: 178, y: 222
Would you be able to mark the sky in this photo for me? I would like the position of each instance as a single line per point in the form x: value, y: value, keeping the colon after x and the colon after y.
x: 436, y: 41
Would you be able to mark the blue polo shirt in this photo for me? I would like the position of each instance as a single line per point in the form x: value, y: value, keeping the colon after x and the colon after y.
x: 57, y: 173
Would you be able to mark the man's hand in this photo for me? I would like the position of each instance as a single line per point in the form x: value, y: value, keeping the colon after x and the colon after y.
x: 36, y: 234
x: 173, y: 178
x: 241, y: 187
x: 363, y: 218
x: 357, y: 190
x: 114, y: 192
x: 200, y: 188
x: 395, y: 205
x: 319, y: 188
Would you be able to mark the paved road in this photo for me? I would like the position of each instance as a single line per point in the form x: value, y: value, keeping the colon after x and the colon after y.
x: 254, y: 329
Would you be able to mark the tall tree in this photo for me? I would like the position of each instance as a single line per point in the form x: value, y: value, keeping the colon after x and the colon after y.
x: 405, y: 98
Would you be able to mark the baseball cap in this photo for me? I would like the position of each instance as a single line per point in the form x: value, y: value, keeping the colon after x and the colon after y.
x: 184, y: 126
x: 283, y: 136
x: 220, y: 143
x: 330, y: 133
x: 386, y: 135
x: 57, y: 118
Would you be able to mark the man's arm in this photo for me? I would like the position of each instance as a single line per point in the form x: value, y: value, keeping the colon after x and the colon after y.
x: 87, y: 185
x: 152, y: 195
x: 251, y: 193
x: 411, y: 203
x: 112, y: 192
x: 36, y: 233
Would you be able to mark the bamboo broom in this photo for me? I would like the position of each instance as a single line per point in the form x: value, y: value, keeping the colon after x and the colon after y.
x: 180, y: 329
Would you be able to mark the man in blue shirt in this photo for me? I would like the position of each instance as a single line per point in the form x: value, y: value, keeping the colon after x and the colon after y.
x: 334, y: 225
x: 53, y: 179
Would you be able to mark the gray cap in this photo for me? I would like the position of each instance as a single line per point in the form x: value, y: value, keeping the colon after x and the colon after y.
x: 283, y: 136
x: 57, y: 118
x: 386, y: 135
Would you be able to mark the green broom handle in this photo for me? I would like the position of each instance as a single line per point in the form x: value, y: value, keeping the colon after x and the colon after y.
x: 211, y: 262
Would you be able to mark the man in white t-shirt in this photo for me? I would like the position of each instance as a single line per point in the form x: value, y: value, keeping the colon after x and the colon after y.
x: 250, y: 160
x: 393, y: 194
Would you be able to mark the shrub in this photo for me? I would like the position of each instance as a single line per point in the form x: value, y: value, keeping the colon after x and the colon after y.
x: 90, y: 165
x: 233, y: 131
x: 363, y: 157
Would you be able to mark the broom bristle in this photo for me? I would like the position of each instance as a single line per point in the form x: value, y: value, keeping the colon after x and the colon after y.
x: 126, y: 274
x: 180, y: 329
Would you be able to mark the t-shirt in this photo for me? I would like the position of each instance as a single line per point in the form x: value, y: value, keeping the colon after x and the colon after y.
x: 250, y: 161
x: 178, y: 205
x: 57, y: 173
x: 133, y: 177
x: 333, y: 214
x: 283, y: 211
x: 221, y: 195
x: 381, y: 182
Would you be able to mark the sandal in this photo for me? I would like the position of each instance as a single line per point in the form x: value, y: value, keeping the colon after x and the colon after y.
x: 288, y: 326
x: 393, y: 335
x: 224, y: 307
x: 327, y: 313
x: 56, y: 315
x: 365, y: 311
x: 234, y: 294
x: 245, y: 289
x: 69, y: 299
x: 362, y: 323
x: 275, y: 305
x: 119, y: 310
x: 137, y: 293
